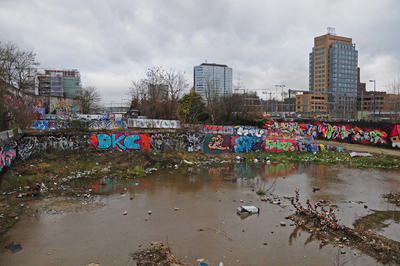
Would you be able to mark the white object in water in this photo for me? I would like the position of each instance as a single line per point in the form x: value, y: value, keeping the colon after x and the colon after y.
x: 248, y: 209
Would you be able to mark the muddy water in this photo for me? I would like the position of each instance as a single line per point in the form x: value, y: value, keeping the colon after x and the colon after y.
x: 206, y: 226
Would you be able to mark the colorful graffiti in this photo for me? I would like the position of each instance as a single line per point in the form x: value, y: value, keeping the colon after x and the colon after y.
x: 40, y: 111
x: 47, y: 124
x: 279, y: 145
x: 234, y: 130
x: 120, y: 141
x: 310, y: 147
x: 61, y: 108
x: 246, y: 144
x: 7, y: 155
x: 210, y: 129
x: 27, y: 146
x: 336, y: 132
x: 217, y: 144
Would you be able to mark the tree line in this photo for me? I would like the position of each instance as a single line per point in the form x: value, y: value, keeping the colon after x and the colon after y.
x: 164, y: 94
x: 161, y: 94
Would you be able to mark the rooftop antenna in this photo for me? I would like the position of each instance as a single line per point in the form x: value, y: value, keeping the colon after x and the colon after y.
x: 331, y: 31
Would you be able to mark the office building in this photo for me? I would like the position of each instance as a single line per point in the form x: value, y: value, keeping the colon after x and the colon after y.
x: 212, y: 80
x: 333, y: 65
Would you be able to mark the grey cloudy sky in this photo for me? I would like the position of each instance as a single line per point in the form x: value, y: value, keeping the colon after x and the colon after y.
x: 266, y: 42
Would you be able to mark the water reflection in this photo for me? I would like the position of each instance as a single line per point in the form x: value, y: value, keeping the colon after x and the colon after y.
x: 207, y: 197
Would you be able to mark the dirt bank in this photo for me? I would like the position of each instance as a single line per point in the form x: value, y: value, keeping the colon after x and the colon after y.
x: 361, y: 147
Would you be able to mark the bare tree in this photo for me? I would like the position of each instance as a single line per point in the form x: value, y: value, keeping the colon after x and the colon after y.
x: 17, y: 64
x: 89, y: 99
x: 212, y: 97
x: 14, y: 111
x: 157, y: 95
x: 236, y: 109
x: 177, y: 83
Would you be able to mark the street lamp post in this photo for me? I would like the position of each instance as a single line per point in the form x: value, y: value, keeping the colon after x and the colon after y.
x: 282, y: 86
x: 121, y: 103
x: 276, y: 98
x: 371, y: 80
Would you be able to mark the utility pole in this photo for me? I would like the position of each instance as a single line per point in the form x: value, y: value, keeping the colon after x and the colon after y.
x: 282, y: 86
x: 374, y: 95
x: 362, y: 103
x: 276, y: 100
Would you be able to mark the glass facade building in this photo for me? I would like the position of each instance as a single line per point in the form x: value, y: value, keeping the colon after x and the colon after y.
x: 333, y: 65
x: 212, y: 79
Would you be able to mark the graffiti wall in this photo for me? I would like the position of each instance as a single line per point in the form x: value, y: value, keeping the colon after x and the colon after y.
x: 93, y: 124
x: 153, y: 123
x: 27, y: 146
x: 120, y: 141
x: 47, y: 124
x: 364, y: 133
x: 101, y: 124
x: 234, y: 130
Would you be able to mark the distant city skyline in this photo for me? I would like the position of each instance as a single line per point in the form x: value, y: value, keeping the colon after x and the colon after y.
x: 265, y: 42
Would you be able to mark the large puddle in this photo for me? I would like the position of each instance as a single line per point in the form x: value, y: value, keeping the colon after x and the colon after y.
x: 206, y: 225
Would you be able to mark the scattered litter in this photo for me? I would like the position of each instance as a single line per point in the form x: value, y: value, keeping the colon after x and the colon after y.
x: 360, y: 154
x: 248, y: 210
x: 125, y: 213
x: 14, y: 248
x: 282, y: 223
x: 176, y: 209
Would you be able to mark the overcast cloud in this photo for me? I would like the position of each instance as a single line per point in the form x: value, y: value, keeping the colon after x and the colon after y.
x: 266, y: 42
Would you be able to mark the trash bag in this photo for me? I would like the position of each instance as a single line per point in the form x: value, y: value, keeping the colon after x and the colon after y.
x: 14, y: 248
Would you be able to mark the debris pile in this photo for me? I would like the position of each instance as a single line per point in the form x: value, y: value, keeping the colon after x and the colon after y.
x: 325, y: 225
x: 156, y: 254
